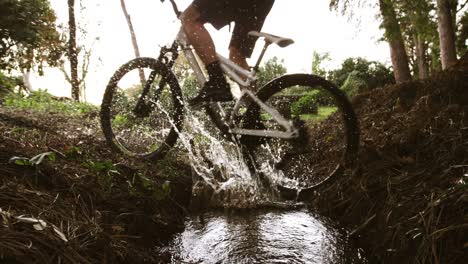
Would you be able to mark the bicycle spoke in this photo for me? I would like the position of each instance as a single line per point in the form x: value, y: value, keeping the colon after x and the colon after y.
x: 134, y: 113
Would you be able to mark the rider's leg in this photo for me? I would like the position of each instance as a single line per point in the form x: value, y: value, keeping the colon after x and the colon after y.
x: 198, y: 35
x: 216, y: 89
x: 238, y: 57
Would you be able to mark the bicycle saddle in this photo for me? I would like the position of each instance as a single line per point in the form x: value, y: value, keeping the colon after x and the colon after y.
x: 280, y: 41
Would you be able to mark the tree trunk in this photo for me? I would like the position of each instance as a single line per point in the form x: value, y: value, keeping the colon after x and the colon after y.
x: 26, y: 81
x: 423, y: 69
x: 395, y: 40
x: 72, y: 52
x: 134, y: 39
x: 448, y: 53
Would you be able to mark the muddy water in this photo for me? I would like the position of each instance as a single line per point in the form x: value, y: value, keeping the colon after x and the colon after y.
x: 276, y: 236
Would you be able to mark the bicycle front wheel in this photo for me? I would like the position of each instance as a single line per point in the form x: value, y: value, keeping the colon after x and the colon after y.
x: 328, y: 133
x: 142, y: 109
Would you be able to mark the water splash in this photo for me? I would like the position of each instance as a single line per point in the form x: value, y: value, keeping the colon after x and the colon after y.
x: 221, y: 165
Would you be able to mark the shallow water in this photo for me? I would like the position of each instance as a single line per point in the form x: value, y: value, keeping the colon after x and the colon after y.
x: 262, y: 236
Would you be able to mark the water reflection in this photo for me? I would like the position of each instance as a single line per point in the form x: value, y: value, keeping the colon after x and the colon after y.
x: 261, y: 237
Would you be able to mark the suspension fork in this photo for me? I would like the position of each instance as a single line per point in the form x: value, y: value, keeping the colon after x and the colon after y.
x: 141, y: 108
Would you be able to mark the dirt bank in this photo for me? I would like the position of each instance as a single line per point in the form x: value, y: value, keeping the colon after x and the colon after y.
x: 407, y: 201
x: 82, y: 204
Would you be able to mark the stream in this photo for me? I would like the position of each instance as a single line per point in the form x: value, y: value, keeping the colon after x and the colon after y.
x: 241, y: 235
x: 262, y: 236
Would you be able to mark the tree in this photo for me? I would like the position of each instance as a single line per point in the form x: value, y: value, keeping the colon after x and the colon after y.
x: 317, y: 61
x: 82, y: 71
x: 393, y: 34
x: 28, y: 36
x: 419, y: 31
x: 271, y: 69
x: 395, y: 40
x: 373, y: 74
x: 133, y: 37
x: 445, y: 25
x: 72, y: 51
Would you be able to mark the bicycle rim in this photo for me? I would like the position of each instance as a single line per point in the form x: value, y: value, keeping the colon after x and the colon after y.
x: 328, y: 133
x: 141, y: 112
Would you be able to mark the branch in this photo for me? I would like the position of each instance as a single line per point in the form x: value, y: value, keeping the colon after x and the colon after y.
x: 462, y: 6
x: 85, y: 66
x: 62, y: 69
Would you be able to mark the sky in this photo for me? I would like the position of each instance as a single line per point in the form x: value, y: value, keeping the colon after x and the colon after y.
x: 310, y: 23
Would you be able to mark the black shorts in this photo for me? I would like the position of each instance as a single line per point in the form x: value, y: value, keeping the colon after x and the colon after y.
x: 248, y: 15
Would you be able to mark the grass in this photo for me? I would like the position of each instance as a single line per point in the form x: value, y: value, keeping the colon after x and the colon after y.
x: 323, y: 113
x: 120, y: 120
x: 42, y: 101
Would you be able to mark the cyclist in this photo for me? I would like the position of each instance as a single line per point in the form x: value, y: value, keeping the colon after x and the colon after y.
x: 248, y: 15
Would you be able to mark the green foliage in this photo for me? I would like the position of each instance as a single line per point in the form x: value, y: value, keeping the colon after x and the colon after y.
x: 43, y: 101
x: 28, y: 35
x: 74, y: 152
x: 353, y: 84
x: 162, y: 192
x: 373, y: 73
x: 307, y: 104
x: 105, y: 167
x: 317, y: 63
x: 311, y: 101
x: 142, y: 186
x: 8, y: 84
x: 185, y: 74
x: 323, y: 112
x: 190, y: 86
x: 120, y: 121
x: 271, y: 69
x: 104, y: 171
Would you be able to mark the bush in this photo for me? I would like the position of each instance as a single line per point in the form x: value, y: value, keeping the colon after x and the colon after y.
x: 8, y: 84
x: 307, y: 104
x: 354, y: 85
x: 374, y: 74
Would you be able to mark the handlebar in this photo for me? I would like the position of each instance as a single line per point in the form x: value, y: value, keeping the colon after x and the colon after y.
x: 174, y: 7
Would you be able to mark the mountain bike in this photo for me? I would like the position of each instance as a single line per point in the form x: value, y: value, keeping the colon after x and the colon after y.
x: 143, y: 116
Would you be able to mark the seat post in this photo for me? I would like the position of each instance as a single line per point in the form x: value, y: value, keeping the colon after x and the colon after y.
x: 267, y: 43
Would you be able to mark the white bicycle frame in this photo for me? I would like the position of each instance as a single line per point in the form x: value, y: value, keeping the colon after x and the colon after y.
x: 244, y: 79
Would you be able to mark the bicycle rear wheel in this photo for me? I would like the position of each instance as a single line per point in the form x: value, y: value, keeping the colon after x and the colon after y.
x: 328, y: 133
x: 141, y: 110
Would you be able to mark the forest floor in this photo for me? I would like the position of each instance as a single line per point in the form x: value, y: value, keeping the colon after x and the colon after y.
x: 78, y: 202
x: 81, y: 203
x: 407, y: 200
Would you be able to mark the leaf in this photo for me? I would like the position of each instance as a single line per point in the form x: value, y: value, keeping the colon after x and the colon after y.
x: 36, y: 160
x: 146, y: 182
x: 38, y: 224
x: 59, y: 233
x: 41, y: 225
x: 52, y: 156
x: 22, y: 161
